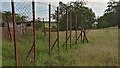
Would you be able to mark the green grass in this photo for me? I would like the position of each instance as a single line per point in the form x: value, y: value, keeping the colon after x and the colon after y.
x: 0, y: 51
x: 102, y: 50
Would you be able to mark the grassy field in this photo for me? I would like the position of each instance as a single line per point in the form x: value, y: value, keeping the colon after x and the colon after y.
x: 0, y: 47
x: 102, y: 50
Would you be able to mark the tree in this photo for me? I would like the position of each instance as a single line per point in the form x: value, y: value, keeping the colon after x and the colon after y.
x: 84, y: 13
x: 24, y: 26
x: 111, y: 16
x: 20, y: 19
x: 7, y: 16
x: 85, y: 17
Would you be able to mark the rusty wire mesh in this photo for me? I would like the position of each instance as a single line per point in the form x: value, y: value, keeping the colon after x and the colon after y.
x: 24, y: 21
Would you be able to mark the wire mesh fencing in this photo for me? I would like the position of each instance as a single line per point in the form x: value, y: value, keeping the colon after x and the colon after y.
x: 39, y: 30
x: 25, y: 34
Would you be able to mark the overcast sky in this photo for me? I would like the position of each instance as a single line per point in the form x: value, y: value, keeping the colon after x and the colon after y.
x: 98, y: 6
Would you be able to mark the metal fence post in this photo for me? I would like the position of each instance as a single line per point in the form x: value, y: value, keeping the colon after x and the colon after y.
x: 44, y: 28
x: 58, y: 27
x: 70, y: 28
x: 34, y: 30
x: 14, y: 33
x: 49, y: 26
x: 66, y: 28
x: 81, y: 29
x: 76, y: 29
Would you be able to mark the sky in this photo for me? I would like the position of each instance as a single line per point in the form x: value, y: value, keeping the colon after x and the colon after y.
x: 98, y: 6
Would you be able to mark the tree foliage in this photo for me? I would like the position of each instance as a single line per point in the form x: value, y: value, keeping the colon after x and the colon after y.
x: 111, y: 16
x: 84, y: 14
x: 19, y: 18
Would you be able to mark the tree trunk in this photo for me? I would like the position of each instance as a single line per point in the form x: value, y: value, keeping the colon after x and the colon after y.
x: 8, y: 28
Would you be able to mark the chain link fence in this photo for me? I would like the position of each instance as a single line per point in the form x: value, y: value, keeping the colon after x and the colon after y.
x: 39, y: 30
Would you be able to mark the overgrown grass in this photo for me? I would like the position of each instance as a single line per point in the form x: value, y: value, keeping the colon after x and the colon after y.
x: 0, y: 47
x: 102, y: 50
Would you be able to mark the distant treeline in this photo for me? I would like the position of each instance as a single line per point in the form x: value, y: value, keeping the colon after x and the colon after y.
x: 111, y: 17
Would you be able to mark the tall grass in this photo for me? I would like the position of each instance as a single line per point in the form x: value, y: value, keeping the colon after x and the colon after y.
x: 102, y: 50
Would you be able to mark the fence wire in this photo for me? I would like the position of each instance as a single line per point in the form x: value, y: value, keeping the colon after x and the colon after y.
x: 47, y: 35
x: 24, y: 20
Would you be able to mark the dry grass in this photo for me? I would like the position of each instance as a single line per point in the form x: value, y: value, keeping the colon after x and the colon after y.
x: 102, y: 50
